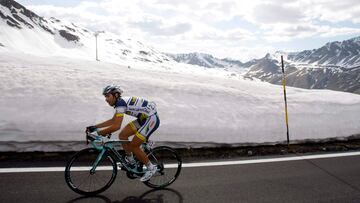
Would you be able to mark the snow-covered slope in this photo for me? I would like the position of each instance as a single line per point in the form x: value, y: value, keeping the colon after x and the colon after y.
x: 48, y: 101
x: 26, y: 32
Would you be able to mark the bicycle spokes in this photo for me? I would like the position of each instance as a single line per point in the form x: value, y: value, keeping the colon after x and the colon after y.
x: 169, y: 166
x: 84, y: 178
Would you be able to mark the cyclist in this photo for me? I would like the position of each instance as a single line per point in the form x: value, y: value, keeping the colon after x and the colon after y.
x: 146, y: 123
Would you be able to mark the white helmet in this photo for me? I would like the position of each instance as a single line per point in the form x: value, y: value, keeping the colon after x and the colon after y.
x: 112, y: 89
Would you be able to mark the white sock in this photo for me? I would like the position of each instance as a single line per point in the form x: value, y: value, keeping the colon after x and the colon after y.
x: 130, y: 157
x: 150, y: 166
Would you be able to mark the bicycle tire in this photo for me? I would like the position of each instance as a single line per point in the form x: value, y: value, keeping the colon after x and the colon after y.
x: 79, y: 167
x: 169, y: 165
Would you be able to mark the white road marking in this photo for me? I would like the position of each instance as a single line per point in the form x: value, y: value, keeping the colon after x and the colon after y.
x: 255, y: 161
x: 188, y: 165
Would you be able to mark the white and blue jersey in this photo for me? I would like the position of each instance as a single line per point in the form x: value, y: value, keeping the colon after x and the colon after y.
x: 145, y: 111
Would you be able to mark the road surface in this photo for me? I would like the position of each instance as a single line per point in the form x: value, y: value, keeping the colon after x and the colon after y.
x: 333, y: 179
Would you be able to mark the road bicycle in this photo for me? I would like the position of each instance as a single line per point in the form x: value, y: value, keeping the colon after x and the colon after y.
x: 93, y: 170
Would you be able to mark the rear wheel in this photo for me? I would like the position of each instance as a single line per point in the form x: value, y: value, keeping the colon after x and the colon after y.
x: 168, y: 163
x: 82, y: 180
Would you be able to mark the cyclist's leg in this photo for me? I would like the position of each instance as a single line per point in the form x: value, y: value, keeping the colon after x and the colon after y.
x: 135, y: 147
x: 125, y: 134
x: 141, y: 135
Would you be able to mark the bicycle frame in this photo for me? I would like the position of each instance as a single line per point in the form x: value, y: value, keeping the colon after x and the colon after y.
x: 109, y: 146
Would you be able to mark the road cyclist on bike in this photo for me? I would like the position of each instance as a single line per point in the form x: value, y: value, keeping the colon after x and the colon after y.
x: 146, y: 123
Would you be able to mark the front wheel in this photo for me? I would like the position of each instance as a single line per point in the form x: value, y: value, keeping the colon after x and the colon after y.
x: 168, y: 163
x: 82, y: 180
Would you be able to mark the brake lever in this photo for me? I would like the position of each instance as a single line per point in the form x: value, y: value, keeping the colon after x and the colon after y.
x: 87, y: 137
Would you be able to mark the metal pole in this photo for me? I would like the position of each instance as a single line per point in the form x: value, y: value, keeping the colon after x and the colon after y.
x: 286, y: 110
x: 96, y: 34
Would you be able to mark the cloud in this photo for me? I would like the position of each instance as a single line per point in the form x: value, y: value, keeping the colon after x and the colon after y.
x: 158, y: 27
x: 230, y: 36
x: 276, y: 13
x: 83, y: 14
x: 287, y: 32
x: 335, y: 11
x: 279, y: 11
x: 327, y: 31
x: 285, y: 21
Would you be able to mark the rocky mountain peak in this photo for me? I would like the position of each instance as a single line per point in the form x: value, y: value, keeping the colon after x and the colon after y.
x: 19, y: 15
x: 206, y: 60
x: 345, y: 54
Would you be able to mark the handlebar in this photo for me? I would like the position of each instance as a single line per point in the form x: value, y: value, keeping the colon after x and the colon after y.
x: 91, y: 139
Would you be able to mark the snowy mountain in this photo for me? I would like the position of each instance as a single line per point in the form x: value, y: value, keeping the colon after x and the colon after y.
x: 26, y: 32
x: 335, y: 66
x: 345, y: 54
x: 206, y: 60
x: 306, y: 76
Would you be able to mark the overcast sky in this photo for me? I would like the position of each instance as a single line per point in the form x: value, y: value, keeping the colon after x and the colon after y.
x: 239, y: 29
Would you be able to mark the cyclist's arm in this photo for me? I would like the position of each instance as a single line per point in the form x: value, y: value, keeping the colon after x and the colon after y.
x: 114, y: 124
x: 105, y: 124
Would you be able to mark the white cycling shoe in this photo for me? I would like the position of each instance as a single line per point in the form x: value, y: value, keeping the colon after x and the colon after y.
x: 148, y: 174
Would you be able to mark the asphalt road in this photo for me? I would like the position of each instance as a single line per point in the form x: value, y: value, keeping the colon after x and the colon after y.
x: 315, y: 180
